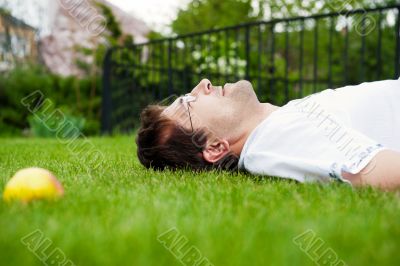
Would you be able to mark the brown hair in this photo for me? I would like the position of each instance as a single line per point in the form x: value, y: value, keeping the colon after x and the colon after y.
x: 162, y: 143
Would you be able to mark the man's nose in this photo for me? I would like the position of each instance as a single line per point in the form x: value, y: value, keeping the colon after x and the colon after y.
x: 203, y: 87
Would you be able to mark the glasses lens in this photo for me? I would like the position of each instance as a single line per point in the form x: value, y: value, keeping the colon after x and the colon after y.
x: 188, y: 98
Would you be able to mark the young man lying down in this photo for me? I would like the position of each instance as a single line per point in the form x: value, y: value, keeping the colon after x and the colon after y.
x: 350, y: 134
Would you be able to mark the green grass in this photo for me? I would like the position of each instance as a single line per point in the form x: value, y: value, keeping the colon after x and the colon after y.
x: 113, y: 215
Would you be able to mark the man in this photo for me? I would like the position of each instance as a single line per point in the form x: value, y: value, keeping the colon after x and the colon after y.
x: 350, y: 134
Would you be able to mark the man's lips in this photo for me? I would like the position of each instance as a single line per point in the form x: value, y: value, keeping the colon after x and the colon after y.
x: 224, y: 89
x: 220, y: 89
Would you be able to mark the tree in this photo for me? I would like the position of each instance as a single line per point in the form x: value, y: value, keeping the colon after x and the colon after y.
x: 208, y: 14
x: 92, y: 58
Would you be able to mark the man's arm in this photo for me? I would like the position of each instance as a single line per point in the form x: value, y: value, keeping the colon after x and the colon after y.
x: 382, y: 171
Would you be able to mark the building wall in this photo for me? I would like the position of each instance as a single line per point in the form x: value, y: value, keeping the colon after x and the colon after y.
x: 17, y: 42
x: 1, y: 25
x: 70, y: 29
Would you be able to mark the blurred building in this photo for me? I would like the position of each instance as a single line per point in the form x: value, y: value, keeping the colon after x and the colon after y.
x: 79, y: 23
x: 17, y: 41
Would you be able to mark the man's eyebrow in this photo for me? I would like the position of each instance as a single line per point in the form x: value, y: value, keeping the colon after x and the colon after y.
x: 179, y: 99
x: 177, y: 105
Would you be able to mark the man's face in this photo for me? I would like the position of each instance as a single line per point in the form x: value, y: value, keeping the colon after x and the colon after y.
x: 222, y: 110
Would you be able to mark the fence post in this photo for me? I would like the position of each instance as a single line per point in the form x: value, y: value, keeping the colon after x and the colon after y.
x: 247, y: 75
x: 106, y: 103
x: 169, y: 67
x: 272, y: 65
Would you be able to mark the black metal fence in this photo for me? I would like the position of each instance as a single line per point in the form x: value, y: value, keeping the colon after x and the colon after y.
x: 283, y: 58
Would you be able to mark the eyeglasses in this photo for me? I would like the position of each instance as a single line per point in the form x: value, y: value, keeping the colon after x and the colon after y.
x: 186, y: 100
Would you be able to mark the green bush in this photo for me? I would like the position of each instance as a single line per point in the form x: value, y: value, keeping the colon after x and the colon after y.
x: 48, y: 125
x: 81, y: 96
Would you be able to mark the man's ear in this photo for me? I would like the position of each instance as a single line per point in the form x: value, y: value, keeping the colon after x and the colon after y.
x: 215, y: 150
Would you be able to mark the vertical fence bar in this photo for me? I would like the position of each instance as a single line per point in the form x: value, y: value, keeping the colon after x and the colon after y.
x: 397, y: 57
x: 315, y: 75
x: 208, y: 56
x: 190, y: 61
x: 142, y: 67
x: 259, y: 48
x: 287, y: 62
x: 151, y: 69
x: 247, y: 52
x: 177, y: 77
x: 138, y: 67
x: 106, y: 103
x: 212, y: 53
x: 162, y: 66
x: 179, y: 62
x: 227, y: 46
x: 330, y: 53
x: 363, y: 36
x: 134, y: 86
x: 379, y: 48
x: 158, y: 69
x: 148, y: 68
x: 301, y: 57
x: 184, y: 64
x: 128, y: 117
x: 170, y: 89
x: 141, y: 59
x: 217, y: 56
x: 198, y: 64
x: 272, y: 68
x: 145, y: 71
x: 346, y: 52
x: 236, y: 53
x: 174, y: 65
x: 301, y: 61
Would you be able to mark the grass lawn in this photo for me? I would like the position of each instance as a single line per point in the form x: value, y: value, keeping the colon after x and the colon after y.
x: 122, y: 214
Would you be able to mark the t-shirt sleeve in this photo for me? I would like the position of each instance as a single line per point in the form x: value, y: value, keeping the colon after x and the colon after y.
x: 281, y: 165
x: 308, y: 148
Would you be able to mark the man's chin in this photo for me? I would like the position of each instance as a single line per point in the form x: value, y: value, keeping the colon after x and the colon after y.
x: 241, y: 90
x: 244, y: 83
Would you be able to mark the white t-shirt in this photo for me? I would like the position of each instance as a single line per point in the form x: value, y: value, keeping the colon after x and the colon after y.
x: 319, y: 136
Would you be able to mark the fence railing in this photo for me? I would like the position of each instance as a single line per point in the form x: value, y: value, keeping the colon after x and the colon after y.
x: 283, y: 58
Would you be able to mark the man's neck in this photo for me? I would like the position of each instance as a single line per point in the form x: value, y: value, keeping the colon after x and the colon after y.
x: 266, y: 109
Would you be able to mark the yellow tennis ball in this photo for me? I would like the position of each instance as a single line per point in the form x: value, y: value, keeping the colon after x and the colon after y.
x: 32, y: 183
